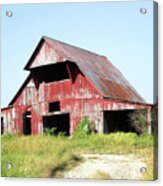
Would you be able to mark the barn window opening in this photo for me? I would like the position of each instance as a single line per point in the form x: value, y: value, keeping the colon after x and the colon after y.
x: 54, y: 106
x: 57, y: 124
x: 51, y: 73
x: 115, y: 121
x: 27, y: 123
x: 2, y: 125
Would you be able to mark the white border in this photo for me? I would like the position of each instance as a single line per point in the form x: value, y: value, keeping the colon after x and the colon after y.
x: 58, y: 182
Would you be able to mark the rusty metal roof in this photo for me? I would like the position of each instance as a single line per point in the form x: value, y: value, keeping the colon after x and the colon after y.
x: 101, y: 72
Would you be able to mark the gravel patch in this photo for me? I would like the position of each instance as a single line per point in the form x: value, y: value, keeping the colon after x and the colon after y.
x: 117, y: 166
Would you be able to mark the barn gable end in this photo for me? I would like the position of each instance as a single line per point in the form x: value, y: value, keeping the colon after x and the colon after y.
x: 98, y: 69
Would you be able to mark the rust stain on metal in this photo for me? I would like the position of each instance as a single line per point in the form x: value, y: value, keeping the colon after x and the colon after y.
x: 99, y: 70
x: 84, y: 83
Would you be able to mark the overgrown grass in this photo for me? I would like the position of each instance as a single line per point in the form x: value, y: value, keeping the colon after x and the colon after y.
x: 49, y: 156
x: 148, y: 156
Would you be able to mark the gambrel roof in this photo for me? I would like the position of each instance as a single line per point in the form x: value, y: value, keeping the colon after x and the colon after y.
x: 101, y: 72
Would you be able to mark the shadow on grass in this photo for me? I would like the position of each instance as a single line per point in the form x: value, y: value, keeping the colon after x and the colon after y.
x: 58, y: 170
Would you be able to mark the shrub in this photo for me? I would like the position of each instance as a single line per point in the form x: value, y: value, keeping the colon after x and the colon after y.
x: 138, y: 119
x: 61, y: 134
x: 83, y: 128
x: 52, y: 132
x: 48, y: 131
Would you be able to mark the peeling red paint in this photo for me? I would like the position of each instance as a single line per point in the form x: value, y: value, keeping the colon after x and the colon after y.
x: 80, y: 95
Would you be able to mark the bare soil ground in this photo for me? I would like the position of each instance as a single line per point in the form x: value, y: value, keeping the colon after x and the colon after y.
x: 126, y: 167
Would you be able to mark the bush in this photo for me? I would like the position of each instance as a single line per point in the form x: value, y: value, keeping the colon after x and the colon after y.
x: 48, y: 131
x: 61, y: 134
x: 83, y: 128
x: 52, y: 132
x: 138, y: 119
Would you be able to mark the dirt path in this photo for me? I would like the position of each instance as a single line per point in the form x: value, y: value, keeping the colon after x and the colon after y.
x: 117, y: 166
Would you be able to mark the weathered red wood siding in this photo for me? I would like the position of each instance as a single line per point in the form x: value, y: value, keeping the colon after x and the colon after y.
x: 78, y: 96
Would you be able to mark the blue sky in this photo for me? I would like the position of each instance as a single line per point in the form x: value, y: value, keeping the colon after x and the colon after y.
x: 115, y: 29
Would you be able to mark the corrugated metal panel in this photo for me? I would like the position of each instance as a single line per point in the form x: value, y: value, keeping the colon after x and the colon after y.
x: 105, y: 77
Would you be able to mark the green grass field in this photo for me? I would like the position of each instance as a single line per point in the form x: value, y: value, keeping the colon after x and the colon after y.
x: 49, y: 156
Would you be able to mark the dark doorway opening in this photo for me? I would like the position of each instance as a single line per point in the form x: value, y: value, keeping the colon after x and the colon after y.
x: 51, y: 73
x: 54, y: 106
x: 27, y: 123
x: 2, y: 125
x: 61, y: 123
x: 115, y: 121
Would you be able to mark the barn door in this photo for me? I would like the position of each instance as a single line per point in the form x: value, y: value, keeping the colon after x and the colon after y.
x: 2, y: 126
x: 27, y: 123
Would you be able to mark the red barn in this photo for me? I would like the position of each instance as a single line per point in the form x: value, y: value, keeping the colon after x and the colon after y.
x: 66, y: 83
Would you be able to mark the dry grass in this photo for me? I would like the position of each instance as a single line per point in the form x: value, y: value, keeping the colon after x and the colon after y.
x: 39, y: 156
x: 48, y: 156
x: 101, y: 176
x: 148, y: 155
